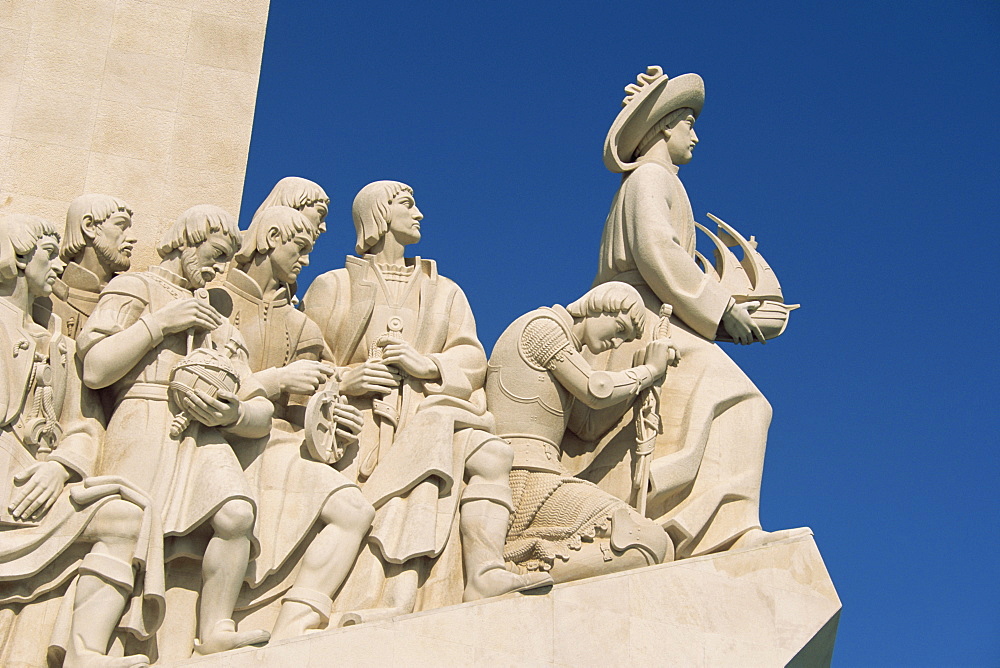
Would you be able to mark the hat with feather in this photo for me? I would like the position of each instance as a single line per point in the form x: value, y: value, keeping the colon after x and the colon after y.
x: 653, y: 96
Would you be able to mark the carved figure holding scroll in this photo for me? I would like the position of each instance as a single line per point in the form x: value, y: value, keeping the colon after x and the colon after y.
x: 58, y: 521
x: 426, y: 450
x: 96, y: 246
x: 706, y: 472
x: 296, y: 493
x: 142, y: 328
x: 562, y: 524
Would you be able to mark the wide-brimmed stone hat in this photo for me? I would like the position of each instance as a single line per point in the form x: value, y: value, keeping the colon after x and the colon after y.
x: 653, y: 96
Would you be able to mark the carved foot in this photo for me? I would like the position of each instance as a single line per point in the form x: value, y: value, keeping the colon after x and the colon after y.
x: 302, y: 610
x: 97, y: 660
x: 373, y: 615
x: 499, y: 581
x: 225, y: 637
x: 759, y: 537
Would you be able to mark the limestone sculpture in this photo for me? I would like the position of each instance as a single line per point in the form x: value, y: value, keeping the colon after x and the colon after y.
x: 144, y: 326
x: 96, y: 246
x: 291, y: 361
x: 302, y: 195
x: 427, y: 452
x: 704, y: 479
x: 562, y: 524
x: 361, y: 459
x: 60, y: 522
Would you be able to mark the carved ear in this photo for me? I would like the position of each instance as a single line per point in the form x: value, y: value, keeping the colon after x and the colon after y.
x: 274, y: 237
x: 89, y: 226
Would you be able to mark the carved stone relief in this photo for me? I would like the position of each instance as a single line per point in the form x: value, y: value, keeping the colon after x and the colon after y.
x: 357, y: 457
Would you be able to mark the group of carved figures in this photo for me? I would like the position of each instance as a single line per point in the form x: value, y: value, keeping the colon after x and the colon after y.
x: 355, y: 456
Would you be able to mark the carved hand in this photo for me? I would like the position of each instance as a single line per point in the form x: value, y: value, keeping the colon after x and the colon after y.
x: 40, y: 484
x: 368, y: 378
x: 304, y: 376
x: 186, y: 313
x: 349, y: 421
x: 660, y: 354
x: 417, y: 365
x: 740, y: 325
x: 222, y: 411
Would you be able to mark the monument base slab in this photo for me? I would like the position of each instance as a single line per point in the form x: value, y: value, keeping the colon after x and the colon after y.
x: 773, y: 605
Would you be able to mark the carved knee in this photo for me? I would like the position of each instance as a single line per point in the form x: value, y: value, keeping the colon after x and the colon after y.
x: 348, y: 507
x: 234, y: 519
x: 492, y: 459
x: 116, y: 521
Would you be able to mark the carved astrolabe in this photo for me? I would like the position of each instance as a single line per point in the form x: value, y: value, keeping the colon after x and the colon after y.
x: 202, y: 369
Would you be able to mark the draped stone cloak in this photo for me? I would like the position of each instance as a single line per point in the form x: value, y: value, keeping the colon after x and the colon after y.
x: 715, y: 420
x: 415, y: 486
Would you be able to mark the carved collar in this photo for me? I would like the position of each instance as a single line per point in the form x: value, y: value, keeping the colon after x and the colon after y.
x: 78, y: 287
x: 78, y: 278
x: 170, y: 277
x: 239, y: 282
x: 669, y: 166
x: 42, y: 316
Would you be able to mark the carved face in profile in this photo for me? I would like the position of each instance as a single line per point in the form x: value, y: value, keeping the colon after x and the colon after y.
x: 43, y: 266
x: 288, y: 258
x: 113, y: 242
x: 681, y: 140
x: 606, y: 331
x: 203, y: 262
x: 404, y: 219
x: 316, y: 211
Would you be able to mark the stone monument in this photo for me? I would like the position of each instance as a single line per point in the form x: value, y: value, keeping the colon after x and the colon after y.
x: 207, y: 462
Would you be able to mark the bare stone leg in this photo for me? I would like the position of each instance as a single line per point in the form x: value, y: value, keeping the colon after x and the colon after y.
x: 327, y: 561
x: 106, y: 580
x: 223, y: 570
x: 483, y: 518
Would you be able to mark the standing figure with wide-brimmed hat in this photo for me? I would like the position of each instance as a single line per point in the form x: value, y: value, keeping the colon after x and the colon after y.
x: 705, y: 477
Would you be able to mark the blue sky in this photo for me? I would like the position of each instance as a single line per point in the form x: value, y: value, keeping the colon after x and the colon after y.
x: 857, y: 140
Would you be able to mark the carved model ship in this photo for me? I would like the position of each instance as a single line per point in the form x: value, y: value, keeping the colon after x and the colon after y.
x: 748, y: 279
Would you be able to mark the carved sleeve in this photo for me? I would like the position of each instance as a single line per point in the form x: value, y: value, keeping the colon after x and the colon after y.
x: 114, y: 313
x: 81, y: 418
x: 667, y: 267
x: 542, y: 341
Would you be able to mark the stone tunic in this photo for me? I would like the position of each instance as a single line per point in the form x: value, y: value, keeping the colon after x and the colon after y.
x: 290, y: 488
x: 188, y: 478
x: 715, y: 420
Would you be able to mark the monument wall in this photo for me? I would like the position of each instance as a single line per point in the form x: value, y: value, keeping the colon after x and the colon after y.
x: 151, y: 101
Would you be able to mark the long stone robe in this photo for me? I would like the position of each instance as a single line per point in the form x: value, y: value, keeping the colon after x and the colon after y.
x: 39, y: 558
x: 715, y: 421
x: 415, y: 486
x: 291, y: 489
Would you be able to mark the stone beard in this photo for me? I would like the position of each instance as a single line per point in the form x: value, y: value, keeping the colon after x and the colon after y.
x: 111, y: 255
